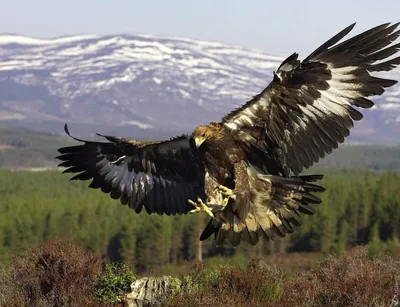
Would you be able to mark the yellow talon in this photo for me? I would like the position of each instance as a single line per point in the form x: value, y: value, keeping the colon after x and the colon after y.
x: 224, y: 190
x: 225, y: 201
x: 200, y: 206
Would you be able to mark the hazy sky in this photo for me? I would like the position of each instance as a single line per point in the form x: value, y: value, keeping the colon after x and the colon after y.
x: 274, y: 26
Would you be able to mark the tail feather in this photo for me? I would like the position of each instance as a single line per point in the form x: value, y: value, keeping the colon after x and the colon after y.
x: 267, y: 233
x: 220, y: 236
x: 234, y: 237
x: 212, y: 227
x: 250, y: 236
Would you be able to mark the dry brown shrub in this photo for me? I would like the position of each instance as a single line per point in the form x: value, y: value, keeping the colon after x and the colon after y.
x: 60, y: 273
x: 229, y: 286
x: 351, y: 280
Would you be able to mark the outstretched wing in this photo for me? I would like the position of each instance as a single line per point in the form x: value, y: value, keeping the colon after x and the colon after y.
x: 159, y: 176
x: 308, y: 108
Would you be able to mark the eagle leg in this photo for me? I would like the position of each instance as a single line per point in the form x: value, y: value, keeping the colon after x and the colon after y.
x: 200, y: 206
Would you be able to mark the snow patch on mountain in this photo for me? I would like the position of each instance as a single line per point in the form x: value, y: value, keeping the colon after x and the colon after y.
x: 24, y: 40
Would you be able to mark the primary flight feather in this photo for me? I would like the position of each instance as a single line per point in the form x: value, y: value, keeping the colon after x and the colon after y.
x: 244, y: 171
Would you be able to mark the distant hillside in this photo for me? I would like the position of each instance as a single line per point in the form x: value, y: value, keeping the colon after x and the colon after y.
x: 373, y: 157
x: 22, y: 147
x: 148, y: 82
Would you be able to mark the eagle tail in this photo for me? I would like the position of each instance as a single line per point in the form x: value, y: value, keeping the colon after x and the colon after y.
x: 276, y: 215
x: 223, y: 231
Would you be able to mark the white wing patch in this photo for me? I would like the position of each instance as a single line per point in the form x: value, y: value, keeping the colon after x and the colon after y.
x: 118, y: 160
x: 333, y: 101
x: 247, y: 116
x: 231, y: 125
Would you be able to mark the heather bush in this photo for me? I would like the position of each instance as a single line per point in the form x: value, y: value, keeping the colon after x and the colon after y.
x: 9, y: 295
x: 60, y: 273
x: 229, y: 286
x: 356, y: 280
x: 351, y: 280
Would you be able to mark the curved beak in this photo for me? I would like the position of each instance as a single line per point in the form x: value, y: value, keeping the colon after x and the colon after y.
x: 198, y: 141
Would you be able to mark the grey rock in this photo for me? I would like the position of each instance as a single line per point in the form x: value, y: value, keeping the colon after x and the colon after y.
x: 151, y: 291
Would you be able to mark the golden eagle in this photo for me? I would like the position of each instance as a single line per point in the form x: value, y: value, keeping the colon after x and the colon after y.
x: 244, y: 170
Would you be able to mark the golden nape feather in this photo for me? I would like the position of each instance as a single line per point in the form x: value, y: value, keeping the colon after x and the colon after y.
x: 213, y: 130
x: 244, y: 171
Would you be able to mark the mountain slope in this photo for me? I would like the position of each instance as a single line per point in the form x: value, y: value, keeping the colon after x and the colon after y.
x: 146, y: 82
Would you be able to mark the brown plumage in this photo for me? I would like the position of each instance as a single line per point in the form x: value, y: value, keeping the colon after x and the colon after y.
x: 246, y: 167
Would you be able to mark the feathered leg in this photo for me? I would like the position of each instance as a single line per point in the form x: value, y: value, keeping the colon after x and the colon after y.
x: 241, y: 192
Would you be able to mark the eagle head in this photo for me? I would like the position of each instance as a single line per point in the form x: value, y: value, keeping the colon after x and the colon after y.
x: 213, y: 131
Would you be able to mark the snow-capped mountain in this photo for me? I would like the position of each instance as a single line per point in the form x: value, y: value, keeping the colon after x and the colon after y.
x: 145, y: 81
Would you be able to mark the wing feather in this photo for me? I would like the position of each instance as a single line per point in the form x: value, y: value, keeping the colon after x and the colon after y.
x: 157, y: 176
x: 308, y: 109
